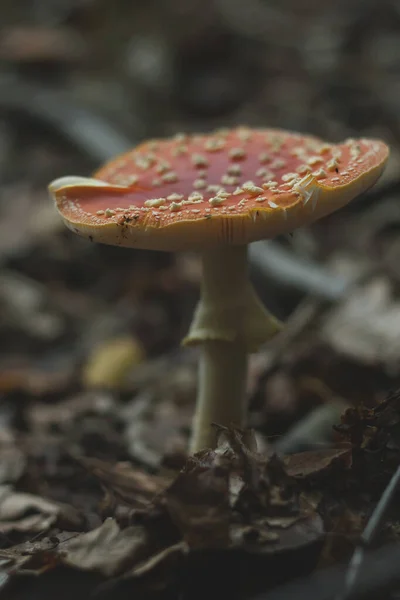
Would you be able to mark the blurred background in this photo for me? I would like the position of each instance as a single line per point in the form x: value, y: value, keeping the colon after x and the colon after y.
x: 90, y: 361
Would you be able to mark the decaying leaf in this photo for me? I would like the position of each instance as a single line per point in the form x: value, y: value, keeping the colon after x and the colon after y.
x: 35, y: 381
x: 310, y: 464
x: 25, y: 307
x: 36, y: 555
x: 161, y: 569
x: 232, y: 501
x: 111, y: 362
x: 373, y: 428
x: 132, y: 486
x: 235, y: 498
x: 366, y: 325
x: 108, y: 549
x: 345, y: 527
x: 156, y: 421
x: 42, y: 44
x: 28, y: 513
x: 64, y: 415
x: 12, y: 463
x: 198, y: 502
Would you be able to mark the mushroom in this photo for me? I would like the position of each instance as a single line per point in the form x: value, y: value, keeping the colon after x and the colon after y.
x: 216, y: 193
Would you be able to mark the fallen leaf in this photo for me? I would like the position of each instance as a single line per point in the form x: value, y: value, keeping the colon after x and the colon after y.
x: 26, y: 308
x: 20, y: 512
x: 41, y: 44
x: 198, y: 503
x: 157, y: 420
x: 305, y: 465
x: 366, y: 325
x: 108, y: 549
x: 12, y: 463
x: 345, y: 527
x: 33, y: 380
x: 61, y: 416
x: 233, y: 497
x: 110, y: 363
x: 160, y: 570
x: 132, y: 486
x: 373, y: 428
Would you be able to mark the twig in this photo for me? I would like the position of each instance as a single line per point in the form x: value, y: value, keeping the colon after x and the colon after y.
x: 315, y: 430
x: 91, y: 133
x: 368, y: 536
x: 303, y: 316
x: 283, y: 266
x: 380, y: 575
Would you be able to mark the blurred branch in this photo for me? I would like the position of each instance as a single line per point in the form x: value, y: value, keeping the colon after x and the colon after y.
x: 273, y: 261
x: 315, y: 430
x: 368, y: 537
x: 380, y: 575
x: 55, y: 109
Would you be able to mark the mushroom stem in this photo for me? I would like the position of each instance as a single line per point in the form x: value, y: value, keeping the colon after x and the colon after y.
x: 221, y: 395
x: 229, y: 322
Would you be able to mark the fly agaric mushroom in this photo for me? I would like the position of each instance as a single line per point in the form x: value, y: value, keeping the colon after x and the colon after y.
x: 215, y: 194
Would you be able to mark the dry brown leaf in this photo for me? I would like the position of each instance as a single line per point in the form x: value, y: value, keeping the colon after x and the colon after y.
x: 40, y: 43
x: 26, y: 307
x: 35, y: 381
x: 44, y: 417
x: 28, y: 513
x: 12, y: 463
x: 132, y: 486
x: 373, y: 428
x: 198, y: 503
x: 366, y: 325
x: 235, y: 498
x: 108, y: 549
x: 163, y: 558
x: 308, y: 464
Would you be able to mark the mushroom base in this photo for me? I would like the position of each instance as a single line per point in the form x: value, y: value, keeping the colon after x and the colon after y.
x: 229, y: 322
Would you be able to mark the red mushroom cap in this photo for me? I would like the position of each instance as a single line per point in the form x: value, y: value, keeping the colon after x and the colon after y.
x: 229, y: 187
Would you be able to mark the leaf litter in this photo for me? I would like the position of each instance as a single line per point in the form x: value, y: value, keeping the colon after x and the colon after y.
x: 231, y: 500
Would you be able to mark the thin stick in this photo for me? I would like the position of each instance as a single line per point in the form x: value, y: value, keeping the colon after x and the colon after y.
x: 368, y: 536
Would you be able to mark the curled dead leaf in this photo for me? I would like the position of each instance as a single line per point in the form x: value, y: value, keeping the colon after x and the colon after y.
x: 29, y: 513
x: 108, y: 549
